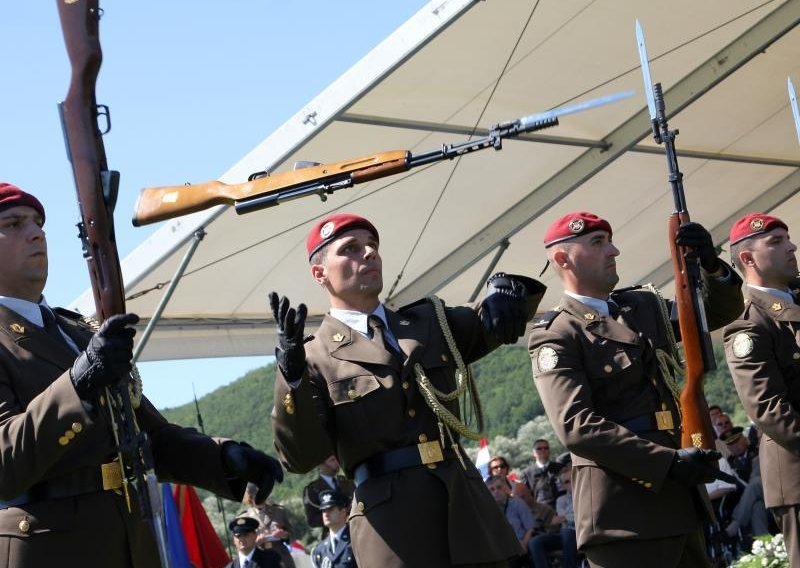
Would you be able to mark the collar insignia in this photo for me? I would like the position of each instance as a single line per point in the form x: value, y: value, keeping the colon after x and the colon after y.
x: 405, y: 322
x: 776, y: 307
x: 338, y: 337
x: 588, y: 316
x: 17, y: 328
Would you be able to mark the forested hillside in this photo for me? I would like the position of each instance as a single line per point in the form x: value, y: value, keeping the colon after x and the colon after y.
x: 512, y: 410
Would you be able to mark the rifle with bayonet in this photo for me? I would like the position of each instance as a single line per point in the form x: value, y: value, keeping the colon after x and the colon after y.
x: 695, y: 337
x: 97, y: 189
x: 263, y: 190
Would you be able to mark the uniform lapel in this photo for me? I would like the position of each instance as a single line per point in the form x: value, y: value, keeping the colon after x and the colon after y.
x: 411, y: 334
x: 35, y: 339
x: 599, y: 325
x: 778, y: 308
x: 346, y: 344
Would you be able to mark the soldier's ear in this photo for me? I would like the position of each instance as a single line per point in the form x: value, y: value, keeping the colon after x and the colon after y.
x: 319, y: 273
x: 561, y: 258
x: 746, y: 258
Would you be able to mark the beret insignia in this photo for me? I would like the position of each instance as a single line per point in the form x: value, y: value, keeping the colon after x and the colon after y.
x: 742, y: 345
x: 757, y: 224
x: 326, y: 230
x: 576, y: 225
x: 547, y: 359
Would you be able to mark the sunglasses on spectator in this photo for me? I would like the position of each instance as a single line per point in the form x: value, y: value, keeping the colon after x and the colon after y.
x: 498, y: 466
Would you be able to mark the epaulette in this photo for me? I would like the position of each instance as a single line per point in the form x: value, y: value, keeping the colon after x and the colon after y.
x: 68, y: 313
x: 546, y: 319
x: 413, y: 304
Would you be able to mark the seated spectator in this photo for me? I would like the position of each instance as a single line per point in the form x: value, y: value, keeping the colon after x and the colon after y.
x: 542, y: 514
x: 517, y: 513
x: 722, y: 426
x: 248, y: 554
x: 328, y: 479
x: 564, y: 523
x: 335, y: 550
x: 714, y: 412
x: 499, y: 465
x: 749, y: 511
x: 542, y: 477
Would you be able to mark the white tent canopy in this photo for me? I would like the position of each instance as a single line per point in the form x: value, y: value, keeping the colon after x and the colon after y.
x: 461, y: 64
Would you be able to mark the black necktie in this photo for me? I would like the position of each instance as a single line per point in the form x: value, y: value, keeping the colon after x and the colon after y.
x: 49, y: 324
x: 377, y: 328
x: 246, y: 563
x: 613, y: 309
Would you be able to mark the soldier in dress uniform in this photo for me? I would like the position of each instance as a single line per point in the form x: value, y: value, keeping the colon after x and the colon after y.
x: 335, y: 550
x: 329, y: 478
x: 61, y: 492
x: 379, y: 389
x: 610, y: 395
x: 763, y: 352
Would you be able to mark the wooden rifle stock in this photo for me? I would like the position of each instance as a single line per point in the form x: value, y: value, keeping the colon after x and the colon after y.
x: 161, y: 203
x: 696, y: 423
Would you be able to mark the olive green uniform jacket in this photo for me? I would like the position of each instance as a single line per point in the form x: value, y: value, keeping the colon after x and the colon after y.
x: 763, y: 352
x: 47, y: 436
x: 356, y: 400
x: 595, y: 374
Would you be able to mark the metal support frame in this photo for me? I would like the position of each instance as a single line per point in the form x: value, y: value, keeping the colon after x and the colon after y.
x: 148, y: 330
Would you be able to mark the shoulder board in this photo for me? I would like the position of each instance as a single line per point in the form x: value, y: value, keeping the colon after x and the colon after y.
x: 546, y: 319
x: 69, y: 314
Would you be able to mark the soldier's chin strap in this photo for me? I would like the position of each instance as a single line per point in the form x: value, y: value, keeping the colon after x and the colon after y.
x: 449, y: 422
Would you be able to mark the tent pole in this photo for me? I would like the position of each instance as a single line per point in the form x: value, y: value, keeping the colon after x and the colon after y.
x: 148, y: 330
x: 489, y: 269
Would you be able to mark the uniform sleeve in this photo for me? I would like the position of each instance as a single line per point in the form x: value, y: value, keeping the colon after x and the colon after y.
x: 566, y: 395
x: 752, y: 359
x: 33, y: 440
x: 725, y: 300
x: 302, y: 422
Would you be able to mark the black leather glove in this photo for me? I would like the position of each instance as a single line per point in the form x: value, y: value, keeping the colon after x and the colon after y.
x: 251, y: 465
x: 290, y: 353
x: 693, y: 466
x: 107, y: 358
x: 695, y: 237
x: 504, y: 311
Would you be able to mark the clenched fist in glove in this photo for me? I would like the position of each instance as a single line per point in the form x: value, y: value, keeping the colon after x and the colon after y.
x: 107, y: 358
x: 242, y: 461
x: 698, y: 240
x: 693, y: 466
x: 510, y: 300
x: 290, y: 352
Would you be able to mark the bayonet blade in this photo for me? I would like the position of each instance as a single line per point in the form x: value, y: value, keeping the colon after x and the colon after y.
x: 645, y: 63
x: 793, y: 104
x: 577, y: 107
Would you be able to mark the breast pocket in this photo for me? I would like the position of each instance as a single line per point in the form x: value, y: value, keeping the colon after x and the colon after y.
x: 613, y: 368
x: 355, y: 399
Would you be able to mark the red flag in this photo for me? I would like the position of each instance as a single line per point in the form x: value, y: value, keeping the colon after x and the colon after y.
x: 202, y: 543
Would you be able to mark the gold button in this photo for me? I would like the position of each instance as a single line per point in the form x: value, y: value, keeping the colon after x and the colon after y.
x: 608, y: 368
x: 102, y: 400
x: 634, y: 479
x: 77, y: 427
x: 69, y: 434
x: 360, y: 506
x: 405, y: 385
x: 412, y: 413
x: 353, y: 394
x: 431, y: 466
x: 648, y: 485
x: 24, y: 526
x: 641, y: 482
x: 444, y: 357
x: 63, y: 441
x: 423, y: 438
x: 796, y: 356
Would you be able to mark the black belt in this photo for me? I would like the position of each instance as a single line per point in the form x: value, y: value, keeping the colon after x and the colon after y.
x: 402, y: 458
x: 651, y: 421
x: 80, y: 482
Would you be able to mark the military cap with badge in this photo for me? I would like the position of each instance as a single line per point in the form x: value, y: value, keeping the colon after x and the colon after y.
x: 332, y: 498
x: 243, y: 524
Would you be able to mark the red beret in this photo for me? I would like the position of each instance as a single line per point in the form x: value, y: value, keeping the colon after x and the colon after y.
x: 574, y: 225
x: 754, y: 224
x: 334, y: 225
x: 12, y: 196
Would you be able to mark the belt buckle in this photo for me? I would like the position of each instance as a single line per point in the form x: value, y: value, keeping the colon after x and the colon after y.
x: 112, y: 475
x: 430, y: 452
x: 664, y: 420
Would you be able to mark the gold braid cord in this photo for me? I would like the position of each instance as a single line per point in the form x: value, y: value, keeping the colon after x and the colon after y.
x: 668, y: 363
x: 464, y: 383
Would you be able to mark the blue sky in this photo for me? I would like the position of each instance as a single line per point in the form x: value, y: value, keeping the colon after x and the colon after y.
x: 192, y: 87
